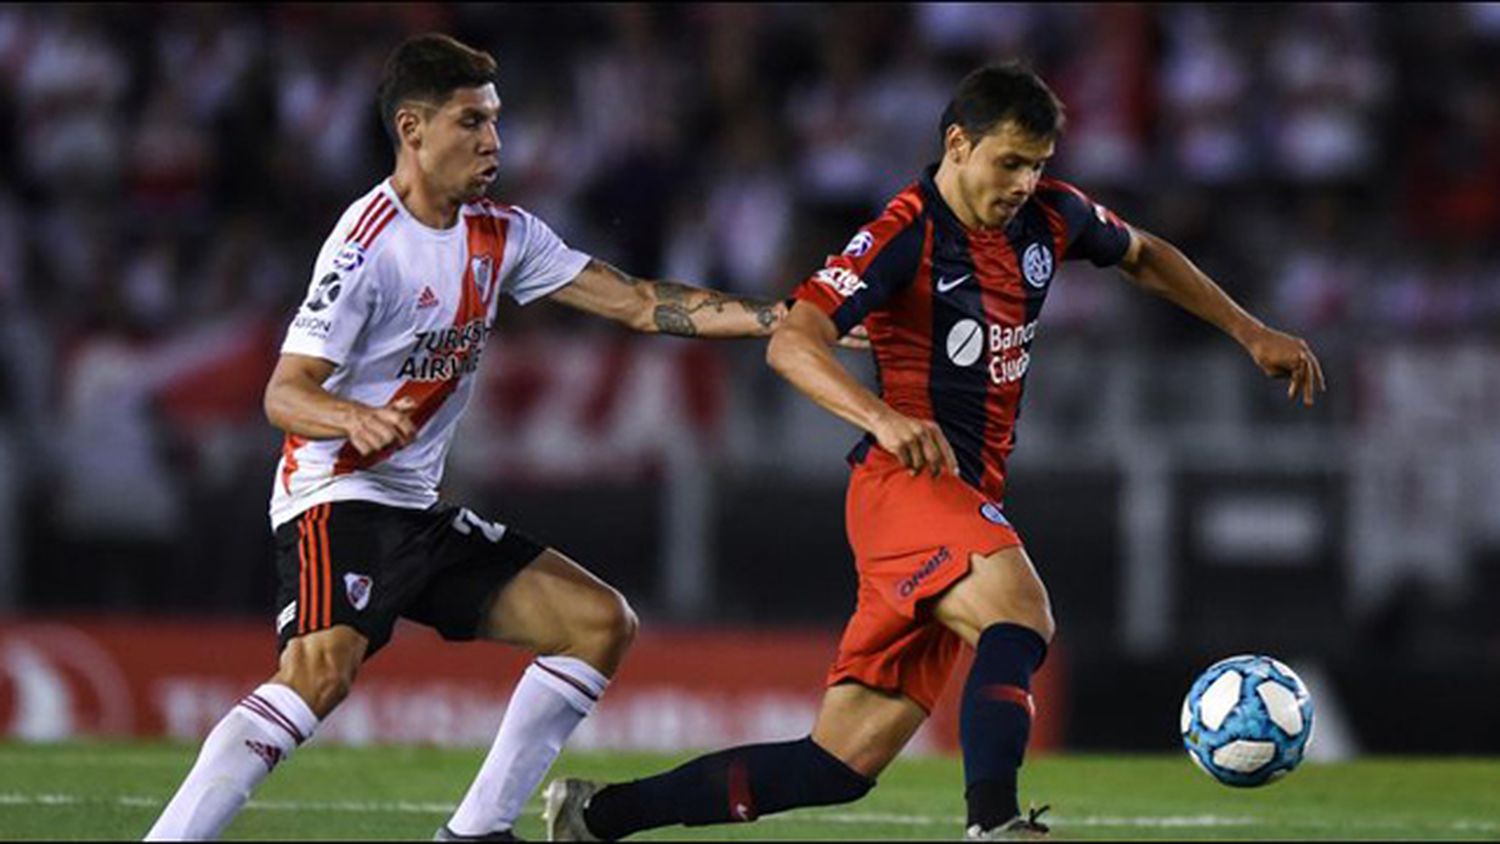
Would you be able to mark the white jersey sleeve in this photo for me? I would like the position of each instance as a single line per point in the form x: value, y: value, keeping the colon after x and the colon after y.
x: 340, y: 301
x: 543, y: 263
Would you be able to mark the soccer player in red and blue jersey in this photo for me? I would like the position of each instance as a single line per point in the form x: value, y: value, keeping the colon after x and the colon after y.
x: 949, y: 282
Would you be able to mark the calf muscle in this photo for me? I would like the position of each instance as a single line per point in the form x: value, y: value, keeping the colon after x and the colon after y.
x: 866, y: 728
x: 320, y: 667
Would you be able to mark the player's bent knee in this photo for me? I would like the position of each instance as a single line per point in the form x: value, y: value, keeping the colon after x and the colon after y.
x: 1038, y: 617
x: 1034, y: 615
x: 615, y: 622
x: 1000, y: 593
x: 628, y: 625
x: 601, y: 629
x: 1048, y: 630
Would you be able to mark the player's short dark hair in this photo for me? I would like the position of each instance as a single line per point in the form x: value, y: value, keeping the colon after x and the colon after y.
x: 992, y: 95
x: 428, y: 68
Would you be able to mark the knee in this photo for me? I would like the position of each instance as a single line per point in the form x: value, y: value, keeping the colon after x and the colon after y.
x: 620, y: 623
x: 1031, y: 608
x: 1002, y: 588
x: 1043, y: 622
x: 608, y: 625
x: 1032, y: 611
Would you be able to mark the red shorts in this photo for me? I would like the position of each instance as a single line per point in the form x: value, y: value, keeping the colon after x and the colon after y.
x: 913, y: 537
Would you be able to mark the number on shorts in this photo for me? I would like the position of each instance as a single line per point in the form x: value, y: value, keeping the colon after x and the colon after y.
x: 466, y: 521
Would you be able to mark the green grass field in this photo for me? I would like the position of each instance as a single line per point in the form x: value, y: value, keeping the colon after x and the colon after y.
x: 83, y: 791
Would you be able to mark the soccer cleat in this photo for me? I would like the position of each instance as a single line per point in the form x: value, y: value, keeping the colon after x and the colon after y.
x: 446, y: 834
x: 1020, y: 827
x: 562, y: 809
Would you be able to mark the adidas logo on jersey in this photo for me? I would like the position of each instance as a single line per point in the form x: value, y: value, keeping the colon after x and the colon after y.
x: 427, y: 299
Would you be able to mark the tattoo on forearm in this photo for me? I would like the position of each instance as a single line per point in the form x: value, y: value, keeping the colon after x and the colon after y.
x: 672, y: 319
x: 765, y: 313
x: 667, y: 291
x: 677, y: 305
x: 606, y: 267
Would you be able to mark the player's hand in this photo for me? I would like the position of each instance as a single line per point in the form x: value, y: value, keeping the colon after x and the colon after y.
x: 917, y: 443
x: 857, y: 338
x: 1282, y: 355
x: 374, y: 429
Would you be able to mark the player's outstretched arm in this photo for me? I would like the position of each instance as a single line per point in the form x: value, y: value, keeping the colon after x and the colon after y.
x: 799, y: 352
x: 1161, y: 268
x: 666, y: 307
x: 296, y: 402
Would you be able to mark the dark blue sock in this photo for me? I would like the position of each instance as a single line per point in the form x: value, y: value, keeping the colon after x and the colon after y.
x: 994, y: 720
x: 735, y: 785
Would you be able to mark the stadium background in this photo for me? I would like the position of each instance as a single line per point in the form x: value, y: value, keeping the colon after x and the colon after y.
x: 171, y: 170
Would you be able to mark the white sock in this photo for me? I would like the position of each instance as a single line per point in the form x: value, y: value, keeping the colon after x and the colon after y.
x: 554, y: 696
x: 258, y: 733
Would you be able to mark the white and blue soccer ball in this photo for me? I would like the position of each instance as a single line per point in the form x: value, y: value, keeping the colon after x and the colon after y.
x: 1247, y: 721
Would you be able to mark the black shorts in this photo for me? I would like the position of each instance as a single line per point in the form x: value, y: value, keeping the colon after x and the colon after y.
x: 366, y: 565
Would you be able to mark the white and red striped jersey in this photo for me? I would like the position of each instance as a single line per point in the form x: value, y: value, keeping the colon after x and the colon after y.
x: 405, y: 310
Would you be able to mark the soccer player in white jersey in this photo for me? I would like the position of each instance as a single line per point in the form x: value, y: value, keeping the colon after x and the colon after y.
x: 376, y: 369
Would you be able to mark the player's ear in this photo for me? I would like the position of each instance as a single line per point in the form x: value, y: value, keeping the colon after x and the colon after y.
x: 956, y: 144
x: 409, y: 125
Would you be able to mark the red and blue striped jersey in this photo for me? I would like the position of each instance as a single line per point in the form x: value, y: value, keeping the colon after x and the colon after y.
x: 952, y: 311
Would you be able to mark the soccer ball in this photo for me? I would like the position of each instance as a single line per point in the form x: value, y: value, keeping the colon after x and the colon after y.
x: 1247, y: 721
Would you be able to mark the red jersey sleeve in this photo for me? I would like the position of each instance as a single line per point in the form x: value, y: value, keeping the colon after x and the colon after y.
x: 880, y: 261
x: 1093, y: 231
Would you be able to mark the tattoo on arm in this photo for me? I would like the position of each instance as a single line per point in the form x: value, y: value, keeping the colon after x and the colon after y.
x: 666, y: 291
x: 676, y: 305
x: 765, y: 314
x: 673, y: 314
x: 672, y: 319
x: 610, y: 269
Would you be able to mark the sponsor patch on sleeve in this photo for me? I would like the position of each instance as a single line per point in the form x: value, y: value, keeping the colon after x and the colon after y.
x: 844, y: 281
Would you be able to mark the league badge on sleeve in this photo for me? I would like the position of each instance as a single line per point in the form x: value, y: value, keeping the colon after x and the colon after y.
x: 859, y: 245
x: 350, y: 258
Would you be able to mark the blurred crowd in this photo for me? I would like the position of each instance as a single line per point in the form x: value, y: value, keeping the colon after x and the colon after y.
x: 172, y: 169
